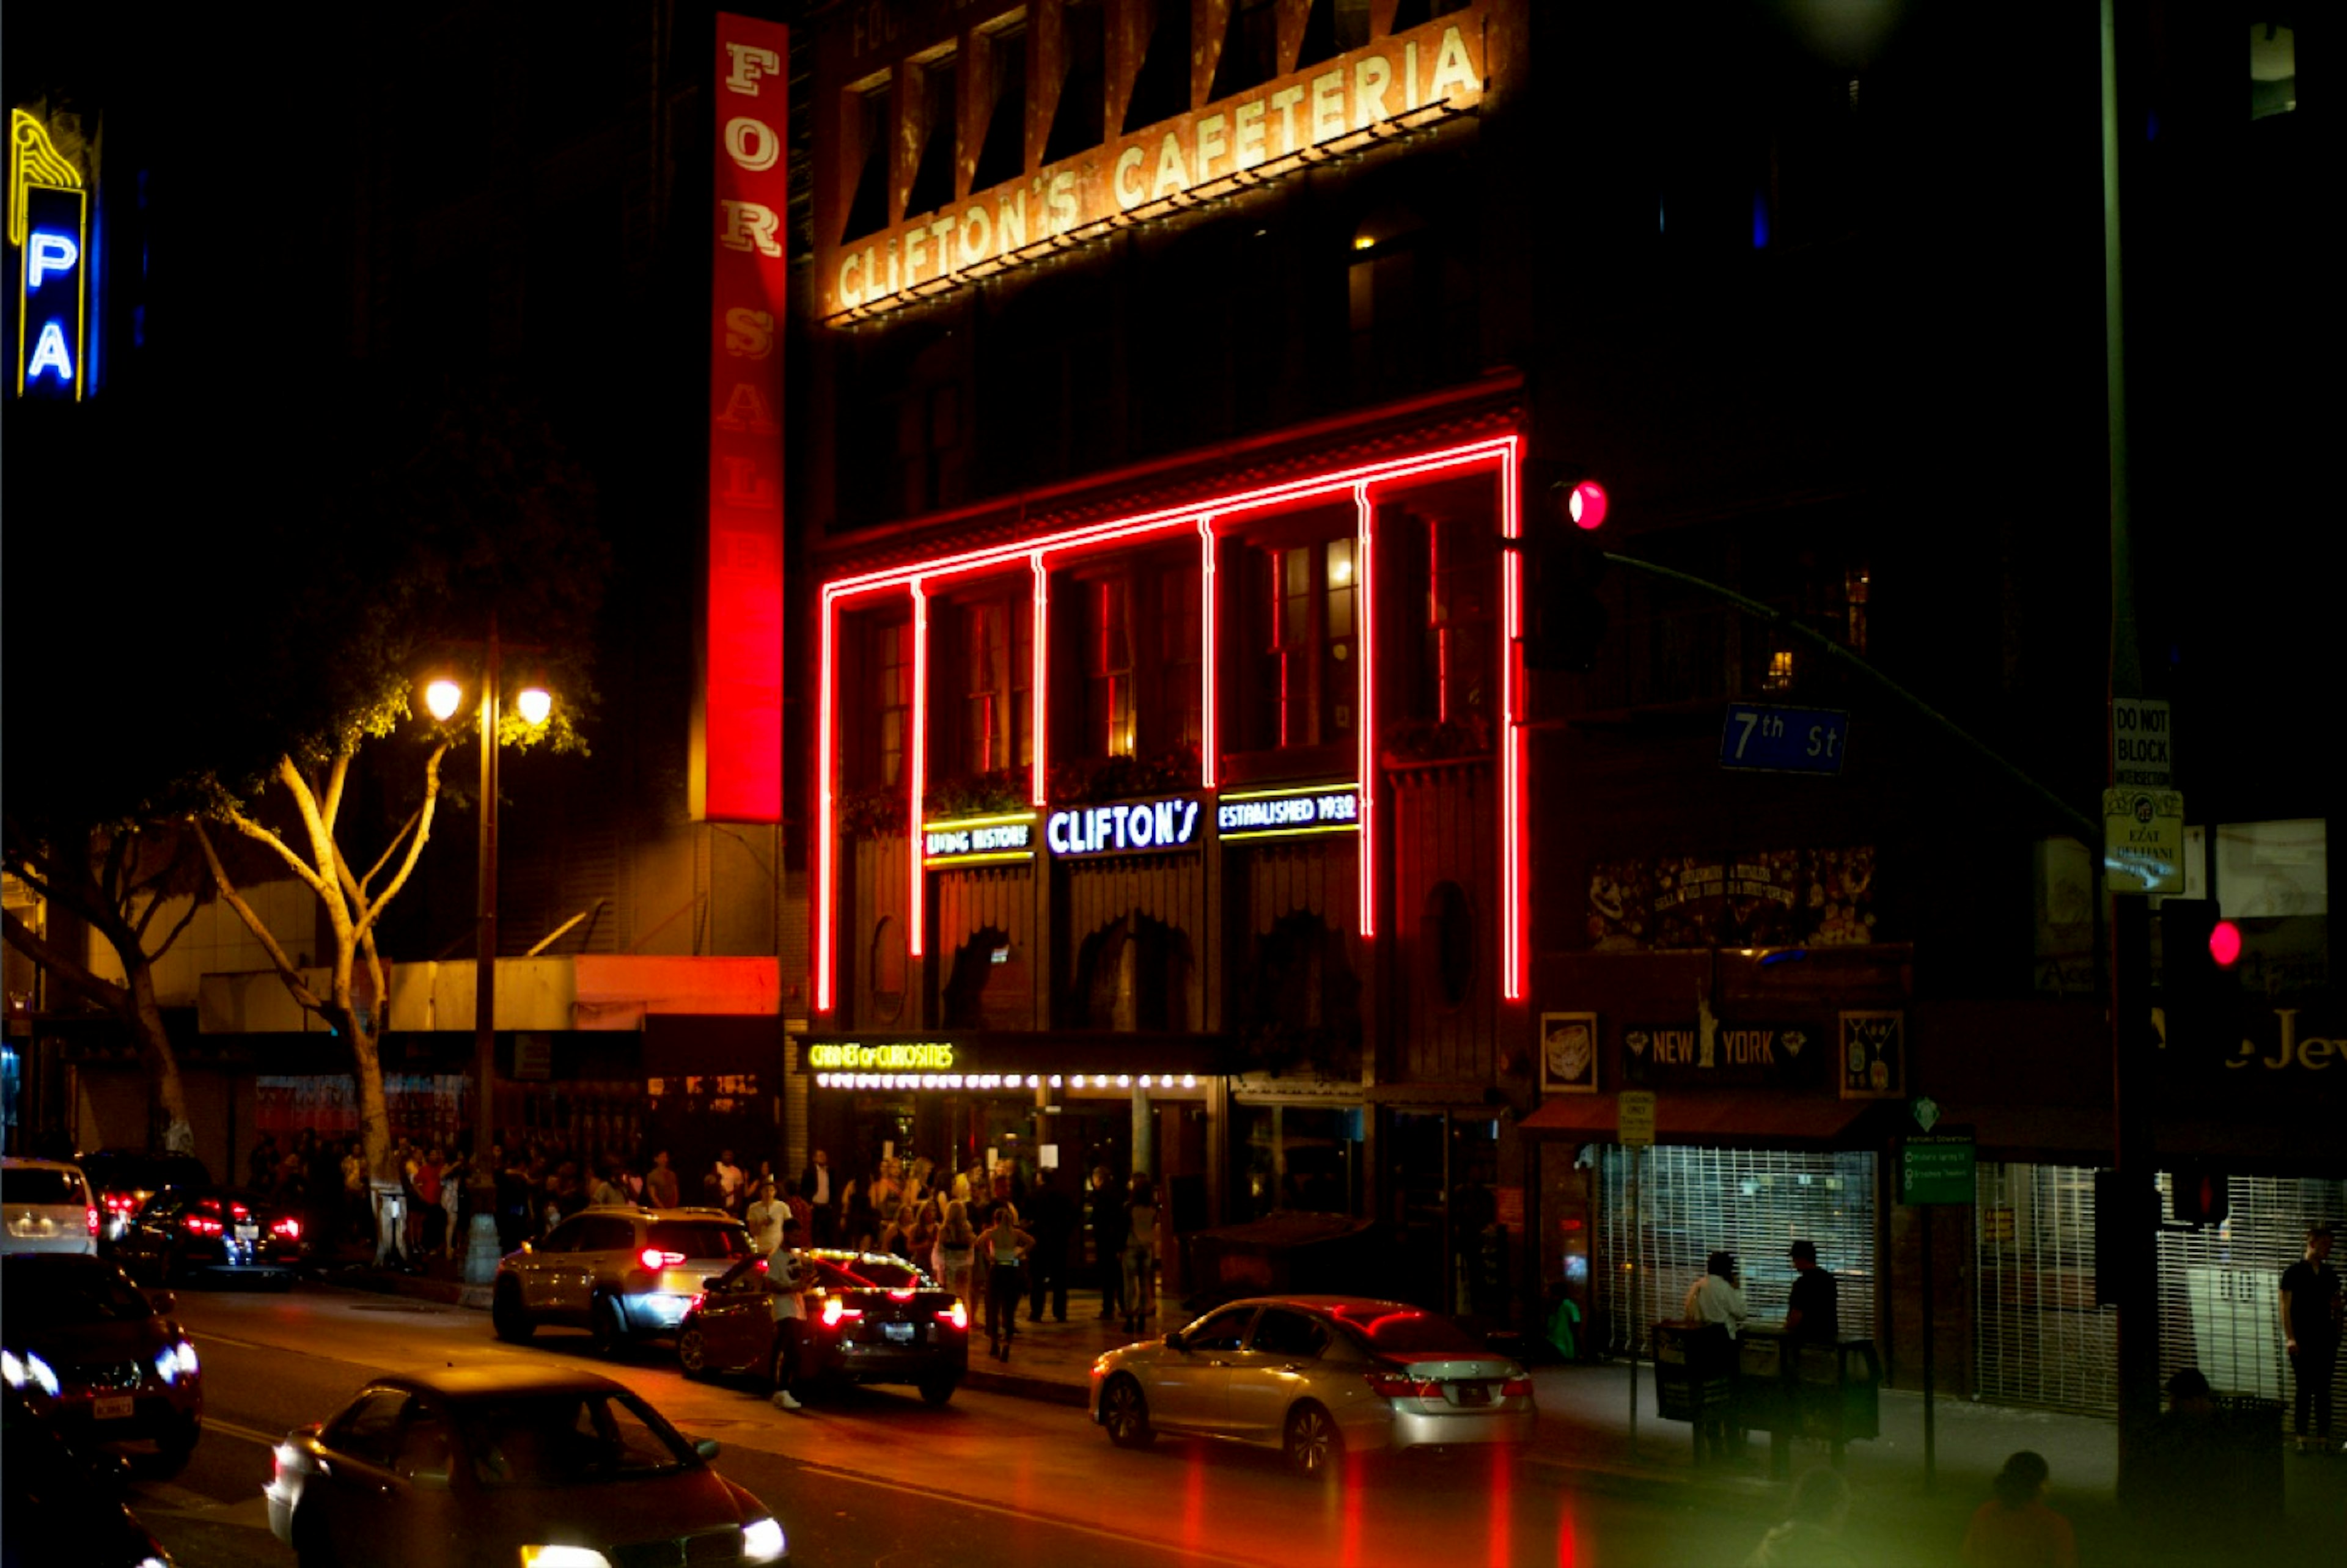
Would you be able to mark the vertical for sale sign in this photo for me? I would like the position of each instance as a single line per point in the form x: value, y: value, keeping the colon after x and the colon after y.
x: 738, y: 762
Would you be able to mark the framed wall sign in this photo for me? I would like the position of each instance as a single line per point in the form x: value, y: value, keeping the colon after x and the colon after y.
x: 1872, y: 1063
x: 1568, y: 1053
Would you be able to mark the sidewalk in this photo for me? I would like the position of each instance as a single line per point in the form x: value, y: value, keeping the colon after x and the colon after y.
x: 1584, y: 1437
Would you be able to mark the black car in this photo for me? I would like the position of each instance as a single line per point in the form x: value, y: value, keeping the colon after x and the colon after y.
x: 122, y: 1180
x: 869, y: 1318
x: 184, y: 1235
x: 93, y: 1355
x: 64, y: 1504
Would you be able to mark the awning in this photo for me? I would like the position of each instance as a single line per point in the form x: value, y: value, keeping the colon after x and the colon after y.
x: 1696, y: 1117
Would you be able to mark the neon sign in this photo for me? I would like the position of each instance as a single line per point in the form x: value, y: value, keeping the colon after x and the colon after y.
x: 925, y: 1056
x: 1288, y: 813
x: 1122, y: 828
x: 48, y: 222
x: 979, y: 840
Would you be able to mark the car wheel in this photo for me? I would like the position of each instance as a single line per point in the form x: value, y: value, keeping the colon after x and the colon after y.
x: 1125, y: 1411
x: 608, y: 1328
x: 1314, y: 1447
x: 506, y: 1315
x: 937, y: 1390
x: 693, y: 1351
x: 173, y: 1449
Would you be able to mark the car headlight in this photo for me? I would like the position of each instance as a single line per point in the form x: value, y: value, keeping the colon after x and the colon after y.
x: 29, y: 1369
x: 186, y: 1354
x: 762, y: 1540
x: 167, y: 1364
x: 563, y: 1557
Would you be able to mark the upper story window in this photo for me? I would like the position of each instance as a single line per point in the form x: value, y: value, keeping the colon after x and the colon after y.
x: 1178, y: 719
x: 1463, y: 582
x: 933, y: 176
x: 1161, y: 85
x: 1333, y: 27
x: 1108, y: 667
x: 1250, y: 54
x: 1079, y: 118
x: 1003, y: 154
x: 890, y: 655
x: 1298, y: 610
x: 996, y: 658
x: 866, y: 148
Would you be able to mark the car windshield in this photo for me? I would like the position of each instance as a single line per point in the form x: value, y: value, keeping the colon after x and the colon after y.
x: 40, y: 1184
x: 1403, y: 1330
x: 45, y: 1296
x: 699, y: 1238
x: 563, y: 1439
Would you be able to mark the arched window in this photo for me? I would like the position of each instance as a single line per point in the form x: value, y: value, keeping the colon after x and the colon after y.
x: 888, y: 970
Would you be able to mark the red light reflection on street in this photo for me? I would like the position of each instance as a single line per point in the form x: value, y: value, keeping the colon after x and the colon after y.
x: 1501, y: 1511
x: 1194, y: 1500
x: 1568, y: 1549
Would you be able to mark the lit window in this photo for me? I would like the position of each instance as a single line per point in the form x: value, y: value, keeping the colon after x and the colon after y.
x: 996, y: 728
x: 1853, y: 594
x: 1108, y: 674
x: 1780, y: 671
x: 1303, y: 695
x: 892, y: 693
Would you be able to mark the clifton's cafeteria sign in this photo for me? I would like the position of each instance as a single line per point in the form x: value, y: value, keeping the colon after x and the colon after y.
x: 1410, y: 79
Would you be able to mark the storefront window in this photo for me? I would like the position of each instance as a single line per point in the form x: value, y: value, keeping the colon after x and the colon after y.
x: 1297, y: 1159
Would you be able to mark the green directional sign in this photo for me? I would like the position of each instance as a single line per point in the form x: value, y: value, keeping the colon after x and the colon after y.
x: 1936, y: 1167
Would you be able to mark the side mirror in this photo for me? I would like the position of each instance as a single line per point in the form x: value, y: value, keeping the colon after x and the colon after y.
x: 1173, y: 1341
x: 706, y: 1448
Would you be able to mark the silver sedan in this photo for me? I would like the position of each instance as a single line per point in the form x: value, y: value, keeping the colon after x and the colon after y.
x: 1316, y: 1377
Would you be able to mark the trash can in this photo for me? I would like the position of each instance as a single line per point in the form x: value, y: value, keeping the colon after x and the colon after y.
x: 1694, y: 1377
x: 1830, y: 1392
x: 2246, y: 1467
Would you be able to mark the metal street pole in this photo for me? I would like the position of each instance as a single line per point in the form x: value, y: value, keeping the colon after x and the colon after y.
x: 485, y: 952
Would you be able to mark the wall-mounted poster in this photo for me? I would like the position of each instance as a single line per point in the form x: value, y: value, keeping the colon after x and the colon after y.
x: 1568, y: 1057
x: 1873, y: 1055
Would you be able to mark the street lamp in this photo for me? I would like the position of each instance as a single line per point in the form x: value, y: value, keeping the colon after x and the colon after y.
x: 442, y: 698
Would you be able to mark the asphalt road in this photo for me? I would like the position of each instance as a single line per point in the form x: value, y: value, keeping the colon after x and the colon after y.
x: 875, y: 1477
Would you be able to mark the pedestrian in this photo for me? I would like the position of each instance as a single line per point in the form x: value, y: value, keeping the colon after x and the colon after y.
x: 822, y: 1194
x: 608, y: 1191
x: 801, y: 1210
x: 1140, y: 1254
x: 764, y: 1218
x: 513, y: 1202
x: 2015, y: 1529
x: 1051, y: 1215
x: 1715, y: 1303
x: 921, y: 1241
x: 1810, y: 1534
x: 2309, y: 1336
x: 731, y: 1180
x: 452, y: 1205
x: 787, y: 1278
x: 857, y: 1221
x: 956, y: 1253
x: 1814, y: 1311
x: 260, y: 1167
x: 1110, y: 1225
x: 1003, y: 1250
x: 661, y: 1189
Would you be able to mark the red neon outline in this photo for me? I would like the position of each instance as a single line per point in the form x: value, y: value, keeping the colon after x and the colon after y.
x: 1038, y: 675
x: 1505, y: 450
x: 825, y: 843
x: 1208, y: 740
x: 918, y: 914
x: 1364, y: 709
x: 1514, y: 916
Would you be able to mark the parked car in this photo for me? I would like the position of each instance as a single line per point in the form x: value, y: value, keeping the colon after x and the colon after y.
x: 124, y: 1179
x: 869, y: 1318
x: 1317, y: 1377
x: 206, y: 1232
x: 620, y: 1272
x: 501, y: 1465
x: 64, y: 1504
x: 93, y: 1354
x: 48, y: 1207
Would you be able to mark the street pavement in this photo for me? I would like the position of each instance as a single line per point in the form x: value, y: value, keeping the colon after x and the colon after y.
x: 1587, y: 1439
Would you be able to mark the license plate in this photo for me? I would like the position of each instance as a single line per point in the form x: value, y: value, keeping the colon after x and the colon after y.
x: 899, y: 1333
x: 1474, y: 1393
x: 114, y: 1408
x: 248, y: 1233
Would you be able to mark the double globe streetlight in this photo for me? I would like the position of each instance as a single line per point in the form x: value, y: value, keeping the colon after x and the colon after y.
x: 443, y: 697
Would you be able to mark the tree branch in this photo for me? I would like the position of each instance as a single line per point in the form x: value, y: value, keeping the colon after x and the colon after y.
x: 322, y: 843
x: 302, y: 994
x: 68, y: 969
x: 392, y: 849
x: 337, y: 774
x: 415, y: 843
x: 260, y: 834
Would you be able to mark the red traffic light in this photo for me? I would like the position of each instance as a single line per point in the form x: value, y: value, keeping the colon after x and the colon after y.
x: 2225, y: 943
x: 1586, y: 505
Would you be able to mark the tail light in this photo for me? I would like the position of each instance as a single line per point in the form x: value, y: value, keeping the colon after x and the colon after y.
x: 239, y: 1212
x: 199, y: 1225
x: 653, y: 1259
x: 764, y: 1265
x: 957, y: 1314
x: 1516, y: 1389
x: 836, y: 1310
x: 905, y: 1295
x: 92, y: 1214
x: 120, y: 1204
x: 1392, y: 1385
x: 289, y: 1228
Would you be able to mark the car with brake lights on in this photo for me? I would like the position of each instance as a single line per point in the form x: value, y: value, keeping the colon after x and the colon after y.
x: 509, y: 1467
x: 868, y: 1318
x: 621, y: 1272
x: 45, y: 1205
x: 124, y: 1179
x: 187, y: 1235
x: 1317, y: 1377
x: 93, y: 1354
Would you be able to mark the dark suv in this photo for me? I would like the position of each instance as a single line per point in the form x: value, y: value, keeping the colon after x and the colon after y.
x: 122, y: 1180
x: 620, y: 1272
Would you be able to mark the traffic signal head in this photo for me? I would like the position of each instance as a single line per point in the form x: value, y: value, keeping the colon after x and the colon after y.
x: 2199, y: 987
x: 1565, y: 621
x: 2225, y: 944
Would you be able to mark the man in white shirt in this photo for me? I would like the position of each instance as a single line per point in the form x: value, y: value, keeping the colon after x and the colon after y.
x: 785, y: 1279
x: 1717, y: 1302
x: 765, y: 1221
x: 729, y: 1182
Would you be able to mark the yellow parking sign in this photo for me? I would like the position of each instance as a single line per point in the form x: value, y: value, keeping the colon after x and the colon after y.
x: 1635, y: 1110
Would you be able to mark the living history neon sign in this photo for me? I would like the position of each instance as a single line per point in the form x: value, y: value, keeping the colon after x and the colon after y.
x: 49, y: 224
x: 979, y: 840
x: 1393, y: 84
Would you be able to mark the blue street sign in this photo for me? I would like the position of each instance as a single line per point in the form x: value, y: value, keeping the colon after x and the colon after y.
x: 1784, y: 739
